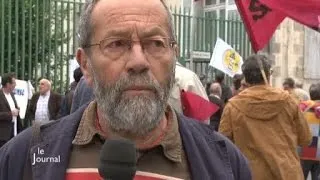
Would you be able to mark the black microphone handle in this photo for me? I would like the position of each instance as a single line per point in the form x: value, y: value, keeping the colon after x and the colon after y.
x: 118, y: 160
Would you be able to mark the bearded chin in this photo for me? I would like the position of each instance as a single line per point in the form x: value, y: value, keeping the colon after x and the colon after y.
x: 136, y: 115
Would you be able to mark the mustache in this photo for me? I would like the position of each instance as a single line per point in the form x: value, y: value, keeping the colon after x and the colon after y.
x: 136, y: 82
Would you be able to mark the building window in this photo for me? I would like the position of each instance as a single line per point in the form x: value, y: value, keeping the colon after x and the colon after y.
x: 211, y: 14
x: 215, y: 2
x: 231, y: 2
x: 222, y: 14
x: 234, y: 15
x: 211, y: 2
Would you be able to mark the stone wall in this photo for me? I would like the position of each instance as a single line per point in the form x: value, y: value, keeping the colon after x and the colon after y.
x: 286, y: 50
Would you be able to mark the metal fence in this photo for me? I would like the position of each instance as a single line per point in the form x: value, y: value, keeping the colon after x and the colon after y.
x: 197, y: 35
x: 38, y: 38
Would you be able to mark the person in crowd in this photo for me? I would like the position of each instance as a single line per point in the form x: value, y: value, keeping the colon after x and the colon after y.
x: 310, y: 159
x: 77, y: 75
x: 67, y: 100
x: 215, y: 90
x: 239, y: 84
x: 207, y: 87
x: 299, y: 84
x: 127, y: 53
x: 288, y: 84
x: 203, y: 78
x: 237, y: 79
x: 302, y: 94
x: 186, y: 80
x: 82, y: 95
x: 298, y: 94
x: 266, y: 124
x: 45, y: 104
x: 9, y: 110
x: 226, y: 90
x: 244, y: 85
x: 215, y: 98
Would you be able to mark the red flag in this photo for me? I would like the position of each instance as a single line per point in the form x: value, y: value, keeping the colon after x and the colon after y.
x: 260, y: 21
x: 261, y: 17
x: 195, y: 106
x: 306, y: 12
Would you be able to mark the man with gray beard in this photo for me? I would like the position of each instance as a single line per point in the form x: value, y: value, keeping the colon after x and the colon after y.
x: 127, y: 54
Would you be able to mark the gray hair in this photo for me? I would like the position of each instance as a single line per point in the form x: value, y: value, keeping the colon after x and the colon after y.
x: 47, y: 81
x: 215, y: 89
x: 85, y: 26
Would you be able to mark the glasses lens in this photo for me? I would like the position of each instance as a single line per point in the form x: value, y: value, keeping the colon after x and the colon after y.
x: 114, y: 47
x: 156, y: 47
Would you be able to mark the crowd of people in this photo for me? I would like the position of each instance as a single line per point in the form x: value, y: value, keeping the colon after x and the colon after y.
x: 271, y: 126
x: 129, y: 84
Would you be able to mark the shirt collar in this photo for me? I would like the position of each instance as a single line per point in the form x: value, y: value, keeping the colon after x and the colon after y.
x: 86, y: 129
x: 47, y: 94
x: 214, y: 95
x: 171, y: 143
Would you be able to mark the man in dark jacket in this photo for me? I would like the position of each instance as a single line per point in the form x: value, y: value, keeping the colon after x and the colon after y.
x: 82, y: 95
x: 45, y: 104
x: 68, y: 98
x: 226, y: 90
x: 129, y: 60
x: 215, y: 98
x: 9, y: 110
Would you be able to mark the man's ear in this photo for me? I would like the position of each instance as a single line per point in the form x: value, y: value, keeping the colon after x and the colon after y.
x: 83, y: 61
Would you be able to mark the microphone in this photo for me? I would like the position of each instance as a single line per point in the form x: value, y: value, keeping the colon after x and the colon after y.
x: 118, y: 160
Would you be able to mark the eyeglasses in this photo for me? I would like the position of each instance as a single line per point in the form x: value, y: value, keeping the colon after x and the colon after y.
x: 116, y: 47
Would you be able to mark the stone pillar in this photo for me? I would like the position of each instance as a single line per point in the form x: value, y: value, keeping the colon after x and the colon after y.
x: 287, y: 51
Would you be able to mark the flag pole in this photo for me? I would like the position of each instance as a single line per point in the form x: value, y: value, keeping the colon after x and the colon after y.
x: 262, y: 71
x: 226, y: 18
x: 192, y: 35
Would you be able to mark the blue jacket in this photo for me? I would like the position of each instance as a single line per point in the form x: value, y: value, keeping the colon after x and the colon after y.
x: 82, y: 95
x: 210, y: 155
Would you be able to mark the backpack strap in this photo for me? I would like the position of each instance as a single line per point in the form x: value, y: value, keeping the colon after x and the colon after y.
x: 35, y: 139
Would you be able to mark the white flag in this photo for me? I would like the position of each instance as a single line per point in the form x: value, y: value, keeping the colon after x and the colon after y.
x: 73, y: 65
x: 30, y: 90
x: 21, y: 93
x: 226, y: 59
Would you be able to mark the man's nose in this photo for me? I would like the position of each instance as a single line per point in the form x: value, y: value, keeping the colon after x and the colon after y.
x: 137, y: 60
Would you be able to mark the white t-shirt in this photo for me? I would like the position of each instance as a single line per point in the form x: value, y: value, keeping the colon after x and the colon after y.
x: 10, y: 101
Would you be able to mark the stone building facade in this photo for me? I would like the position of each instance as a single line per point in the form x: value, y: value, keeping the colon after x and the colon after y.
x: 295, y: 52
